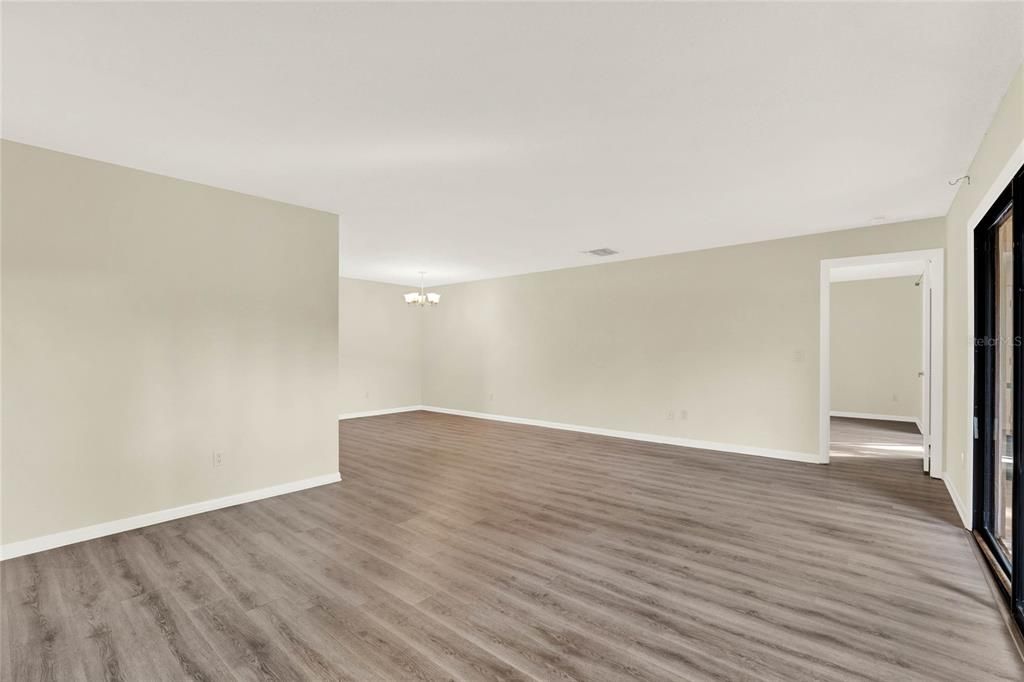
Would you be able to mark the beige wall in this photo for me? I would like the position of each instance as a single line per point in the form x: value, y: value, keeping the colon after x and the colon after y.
x: 149, y: 322
x: 379, y: 346
x: 1004, y: 137
x: 876, y: 340
x: 729, y: 335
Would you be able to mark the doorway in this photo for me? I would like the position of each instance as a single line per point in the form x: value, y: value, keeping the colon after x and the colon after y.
x: 922, y: 272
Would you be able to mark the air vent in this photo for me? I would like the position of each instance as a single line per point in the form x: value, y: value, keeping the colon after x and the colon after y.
x: 602, y: 252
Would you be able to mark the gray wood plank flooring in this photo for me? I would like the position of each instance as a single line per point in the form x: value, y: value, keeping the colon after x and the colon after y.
x: 459, y: 548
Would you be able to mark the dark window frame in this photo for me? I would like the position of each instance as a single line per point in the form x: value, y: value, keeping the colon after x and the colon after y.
x: 985, y: 252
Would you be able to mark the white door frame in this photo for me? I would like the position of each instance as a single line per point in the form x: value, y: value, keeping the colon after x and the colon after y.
x: 928, y: 262
x: 928, y: 311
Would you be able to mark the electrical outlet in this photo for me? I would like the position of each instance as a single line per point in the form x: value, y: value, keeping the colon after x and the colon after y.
x: 218, y: 459
x: 895, y: 399
x: 670, y: 415
x: 798, y: 356
x: 683, y: 415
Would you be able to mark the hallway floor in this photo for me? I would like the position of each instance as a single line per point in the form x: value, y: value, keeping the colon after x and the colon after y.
x: 875, y: 438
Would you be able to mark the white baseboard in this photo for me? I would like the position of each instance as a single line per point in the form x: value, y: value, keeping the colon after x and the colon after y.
x: 961, y: 508
x: 646, y: 437
x: 376, y: 413
x: 69, y: 537
x: 878, y: 417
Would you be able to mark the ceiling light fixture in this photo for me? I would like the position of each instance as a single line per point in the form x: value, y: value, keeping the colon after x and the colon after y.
x: 420, y: 298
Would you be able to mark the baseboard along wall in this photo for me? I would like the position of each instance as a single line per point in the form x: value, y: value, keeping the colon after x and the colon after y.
x: 376, y: 413
x: 70, y: 537
x: 961, y: 508
x: 614, y: 433
x: 878, y: 417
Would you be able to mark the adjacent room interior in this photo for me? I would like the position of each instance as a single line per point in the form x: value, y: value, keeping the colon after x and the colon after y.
x: 882, y: 327
x: 548, y: 341
x: 877, y: 372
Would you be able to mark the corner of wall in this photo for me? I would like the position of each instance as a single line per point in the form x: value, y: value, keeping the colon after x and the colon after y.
x: 421, y: 351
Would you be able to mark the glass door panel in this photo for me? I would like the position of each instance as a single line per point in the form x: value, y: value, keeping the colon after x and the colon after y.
x: 1002, y: 432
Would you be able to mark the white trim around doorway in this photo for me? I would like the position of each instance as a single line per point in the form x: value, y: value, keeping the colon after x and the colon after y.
x: 874, y: 267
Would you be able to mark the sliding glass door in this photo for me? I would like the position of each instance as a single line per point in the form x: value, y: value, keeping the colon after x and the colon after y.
x: 999, y: 360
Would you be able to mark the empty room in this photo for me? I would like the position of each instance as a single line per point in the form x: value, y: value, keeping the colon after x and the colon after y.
x: 492, y: 340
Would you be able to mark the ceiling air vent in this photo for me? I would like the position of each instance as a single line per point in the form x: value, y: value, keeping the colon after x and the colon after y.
x: 602, y: 252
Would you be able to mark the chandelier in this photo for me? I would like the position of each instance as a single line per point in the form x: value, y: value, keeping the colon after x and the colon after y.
x: 420, y: 298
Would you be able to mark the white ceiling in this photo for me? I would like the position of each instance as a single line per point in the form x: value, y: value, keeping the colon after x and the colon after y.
x: 479, y: 140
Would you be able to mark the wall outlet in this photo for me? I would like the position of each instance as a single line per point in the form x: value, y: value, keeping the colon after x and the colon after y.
x: 670, y: 415
x: 683, y: 415
x: 895, y: 399
x: 218, y: 459
x: 798, y: 356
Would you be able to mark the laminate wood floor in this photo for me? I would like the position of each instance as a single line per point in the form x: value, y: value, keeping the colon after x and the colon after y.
x: 458, y: 548
x: 873, y: 438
